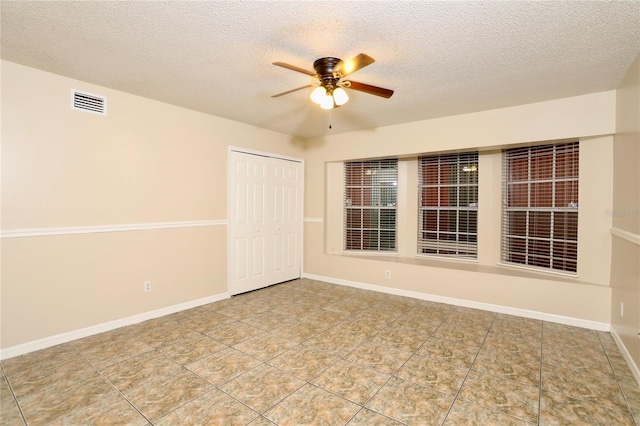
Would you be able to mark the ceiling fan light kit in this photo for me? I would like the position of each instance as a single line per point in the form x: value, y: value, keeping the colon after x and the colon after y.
x: 329, y: 89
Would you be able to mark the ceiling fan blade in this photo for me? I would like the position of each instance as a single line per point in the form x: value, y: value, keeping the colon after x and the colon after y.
x: 344, y: 68
x: 292, y: 90
x: 367, y: 88
x: 294, y: 68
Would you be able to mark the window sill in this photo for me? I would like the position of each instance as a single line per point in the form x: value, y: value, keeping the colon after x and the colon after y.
x: 467, y: 265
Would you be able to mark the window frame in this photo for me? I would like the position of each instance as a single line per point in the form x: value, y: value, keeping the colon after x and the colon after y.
x: 442, y: 181
x: 371, y: 203
x: 531, y: 234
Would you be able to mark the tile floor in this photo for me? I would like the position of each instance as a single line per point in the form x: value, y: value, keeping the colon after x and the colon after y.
x: 312, y: 353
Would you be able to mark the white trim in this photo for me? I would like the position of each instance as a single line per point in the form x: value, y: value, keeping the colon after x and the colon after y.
x: 58, y: 339
x: 264, y: 154
x: 314, y: 219
x: 577, y: 322
x: 626, y: 355
x: 626, y: 235
x: 72, y: 230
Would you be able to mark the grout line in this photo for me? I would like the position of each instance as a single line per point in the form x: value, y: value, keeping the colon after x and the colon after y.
x: 455, y: 398
x: 615, y: 375
x: 15, y: 399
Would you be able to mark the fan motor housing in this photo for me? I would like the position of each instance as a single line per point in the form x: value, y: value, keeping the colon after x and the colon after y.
x: 325, y: 66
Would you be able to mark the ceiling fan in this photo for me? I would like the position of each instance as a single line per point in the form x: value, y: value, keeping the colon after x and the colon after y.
x: 329, y: 89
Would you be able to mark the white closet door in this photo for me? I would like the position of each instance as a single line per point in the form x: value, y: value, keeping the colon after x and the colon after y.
x: 264, y: 224
x: 287, y: 218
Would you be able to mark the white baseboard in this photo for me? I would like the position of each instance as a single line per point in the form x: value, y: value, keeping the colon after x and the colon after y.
x: 58, y: 339
x: 577, y: 322
x: 625, y: 353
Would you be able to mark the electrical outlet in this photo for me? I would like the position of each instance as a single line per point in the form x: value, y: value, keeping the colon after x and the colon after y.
x: 621, y: 309
x: 387, y: 274
x: 147, y: 286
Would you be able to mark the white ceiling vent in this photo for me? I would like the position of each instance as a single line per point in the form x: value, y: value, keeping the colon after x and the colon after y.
x: 88, y: 102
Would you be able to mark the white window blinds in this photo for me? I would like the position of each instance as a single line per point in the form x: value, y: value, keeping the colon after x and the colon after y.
x: 540, y: 202
x: 448, y: 205
x: 371, y: 189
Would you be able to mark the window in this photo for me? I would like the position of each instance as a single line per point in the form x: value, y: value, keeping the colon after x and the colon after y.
x: 371, y: 189
x: 448, y: 203
x: 540, y: 218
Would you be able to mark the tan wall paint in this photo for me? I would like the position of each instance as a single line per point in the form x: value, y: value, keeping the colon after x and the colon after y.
x: 53, y: 285
x: 144, y: 162
x: 589, y: 118
x: 152, y: 162
x: 625, y: 258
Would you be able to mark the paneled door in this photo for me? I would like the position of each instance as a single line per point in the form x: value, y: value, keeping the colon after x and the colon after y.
x: 265, y: 220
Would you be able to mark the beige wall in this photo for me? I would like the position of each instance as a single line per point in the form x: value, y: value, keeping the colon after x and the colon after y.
x: 591, y: 119
x: 150, y: 162
x: 145, y: 162
x: 625, y: 260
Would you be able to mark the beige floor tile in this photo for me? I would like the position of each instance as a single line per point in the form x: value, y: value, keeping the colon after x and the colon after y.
x: 381, y: 357
x: 214, y: 408
x: 110, y: 410
x: 449, y: 350
x: 233, y: 333
x: 334, y: 343
x: 352, y: 381
x: 269, y: 321
x: 422, y: 325
x: 262, y: 387
x: 28, y: 381
x: 595, y: 389
x: 61, y: 399
x: 222, y: 366
x: 364, y: 328
x: 312, y: 406
x: 297, y: 310
x: 621, y: 368
x: 443, y: 376
x: 241, y: 311
x: 299, y: 331
x: 410, y: 403
x: 205, y: 321
x: 304, y: 362
x: 366, y: 417
x: 464, y: 413
x: 349, y: 307
x: 107, y: 355
x: 324, y: 318
x: 192, y: 348
x: 507, y: 344
x: 631, y: 393
x: 557, y: 409
x: 167, y: 336
x: 515, y: 329
x: 403, y: 339
x: 9, y: 412
x: 509, y: 396
x: 517, y: 366
x: 265, y: 346
x: 377, y: 314
x: 343, y: 342
x: 134, y: 371
x: 261, y: 421
x: 43, y: 359
x: 159, y: 395
x: 471, y: 337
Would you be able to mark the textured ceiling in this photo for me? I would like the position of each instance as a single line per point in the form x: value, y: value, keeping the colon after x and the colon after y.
x: 441, y: 58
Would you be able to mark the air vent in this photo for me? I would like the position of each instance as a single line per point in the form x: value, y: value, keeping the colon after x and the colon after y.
x: 87, y: 102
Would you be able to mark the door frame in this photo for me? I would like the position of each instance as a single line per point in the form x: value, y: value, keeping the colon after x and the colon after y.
x: 230, y: 210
